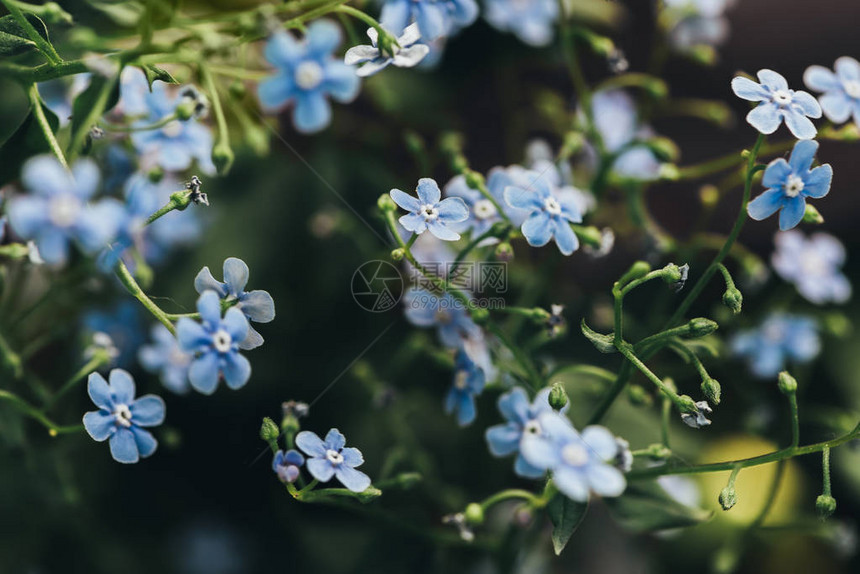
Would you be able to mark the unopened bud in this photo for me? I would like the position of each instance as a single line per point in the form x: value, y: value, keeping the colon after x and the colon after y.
x: 474, y: 179
x: 397, y: 254
x: 638, y: 395
x: 733, y: 299
x: 811, y: 215
x: 504, y: 251
x: 728, y: 497
x: 711, y: 390
x: 385, y: 203
x: 558, y: 396
x: 474, y: 514
x: 269, y: 431
x: 787, y: 384
x: 699, y: 327
x: 825, y: 505
x: 222, y: 157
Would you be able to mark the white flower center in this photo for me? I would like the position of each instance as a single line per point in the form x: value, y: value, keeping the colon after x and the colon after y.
x: 461, y: 380
x: 774, y: 333
x: 533, y: 428
x: 574, y: 454
x: 122, y: 414
x: 172, y: 129
x: 551, y: 205
x: 222, y: 341
x: 429, y: 212
x: 812, y: 264
x: 793, y: 186
x: 334, y: 457
x: 852, y: 88
x: 64, y: 210
x: 782, y: 97
x: 309, y: 75
x: 484, y: 209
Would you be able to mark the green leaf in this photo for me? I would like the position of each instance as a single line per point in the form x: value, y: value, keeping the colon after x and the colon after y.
x: 645, y: 507
x: 125, y: 14
x: 604, y: 343
x: 14, y: 39
x: 154, y: 73
x: 101, y: 95
x: 566, y: 515
x: 28, y: 140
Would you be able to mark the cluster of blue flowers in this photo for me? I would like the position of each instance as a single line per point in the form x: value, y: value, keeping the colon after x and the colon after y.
x: 326, y: 459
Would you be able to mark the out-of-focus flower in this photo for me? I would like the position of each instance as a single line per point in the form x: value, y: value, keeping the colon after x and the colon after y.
x: 551, y: 211
x: 447, y: 314
x: 532, y: 21
x: 407, y: 55
x: 778, y: 103
x: 435, y: 18
x: 813, y: 265
x: 469, y: 380
x: 122, y: 323
x: 165, y: 357
x: 332, y: 458
x: 841, y: 98
x: 781, y: 338
x: 697, y: 22
x: 430, y: 211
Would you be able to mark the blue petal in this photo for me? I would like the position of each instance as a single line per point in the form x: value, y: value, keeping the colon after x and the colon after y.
x: 600, y: 442
x: 323, y: 37
x: 353, y: 479
x: 99, y: 391
x: 520, y: 198
x: 191, y: 335
x: 341, y: 82
x: 565, y: 238
x: 776, y: 173
x: 205, y: 280
x: 765, y: 204
x: 807, y: 104
x: 147, y: 411
x: 99, y: 424
x: 321, y: 469
x: 514, y: 405
x: 440, y: 230
x: 792, y: 212
x: 466, y: 411
x: 821, y: 79
x: 428, y: 191
x: 209, y: 307
x: 235, y: 324
x: 275, y: 92
x: 847, y: 68
x: 799, y: 125
x: 352, y: 456
x: 836, y: 106
x: 235, y: 275
x: 524, y: 469
x: 122, y: 386
x: 258, y: 306
x: 571, y: 483
x: 311, y: 444
x: 749, y: 90
x: 236, y: 370
x: 772, y: 80
x: 431, y: 19
x: 395, y: 15
x: 537, y: 229
x: 802, y: 156
x: 765, y: 117
x: 27, y: 215
x: 43, y: 175
x: 334, y: 440
x: 404, y: 200
x: 294, y: 457
x: 98, y: 224
x: 453, y: 210
x: 146, y: 443
x: 312, y: 112
x: 203, y: 373
x: 818, y: 181
x: 503, y: 440
x: 606, y: 480
x: 53, y: 246
x: 539, y: 452
x: 282, y: 49
x: 123, y: 447
x: 86, y: 176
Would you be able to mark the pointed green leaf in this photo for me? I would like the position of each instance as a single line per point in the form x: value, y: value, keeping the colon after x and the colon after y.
x: 566, y: 515
x: 604, y: 343
x: 14, y: 39
x: 154, y: 73
x: 645, y: 507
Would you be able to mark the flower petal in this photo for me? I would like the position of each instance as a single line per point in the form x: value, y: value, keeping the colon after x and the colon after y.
x: 209, y: 307
x: 772, y: 80
x: 235, y: 324
x: 352, y: 456
x: 537, y: 229
x: 258, y: 306
x: 799, y: 125
x: 818, y: 181
x: 571, y: 483
x: 765, y: 118
x: 321, y: 469
x: 373, y: 67
x: 147, y: 411
x: 235, y: 275
x: 466, y: 411
x: 807, y: 103
x: 606, y: 480
x: 452, y: 210
x: 203, y: 373
x: 766, y: 204
x: 253, y: 340
x: 99, y: 425
x: 352, y: 479
x: 323, y: 37
x: 311, y: 444
x: 847, y: 68
x: 428, y: 191
x: 524, y: 469
x: 123, y: 447
x: 122, y: 386
x: 99, y: 391
x: 275, y: 92
x: 334, y: 440
x: 792, y: 212
x: 205, y: 280
x: 442, y: 231
x: 282, y: 49
x: 836, y: 106
x: 802, y: 155
x: 312, y: 112
x: 341, y: 82
x: 503, y: 440
x: 191, y: 335
x: 359, y: 54
x: 600, y: 442
x: 776, y: 173
x: 145, y: 442
x: 411, y: 56
x: 236, y: 370
x: 749, y: 90
x: 564, y: 236
x: 820, y: 79
x: 404, y: 200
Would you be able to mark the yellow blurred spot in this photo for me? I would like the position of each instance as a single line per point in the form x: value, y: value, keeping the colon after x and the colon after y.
x: 52, y: 432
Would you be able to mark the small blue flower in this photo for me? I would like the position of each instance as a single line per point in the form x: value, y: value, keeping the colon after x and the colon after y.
x: 121, y: 418
x: 580, y: 463
x: 215, y: 345
x: 780, y: 339
x: 287, y: 464
x: 482, y: 212
x: 430, y: 211
x: 409, y: 54
x: 789, y: 183
x: 522, y: 417
x: 469, y: 380
x: 165, y: 357
x: 306, y: 72
x: 841, y: 98
x: 257, y: 305
x: 813, y: 265
x: 533, y: 21
x: 122, y: 323
x: 331, y: 458
x: 698, y: 22
x: 551, y: 211
x: 57, y: 212
x: 435, y: 18
x: 778, y: 103
x: 447, y: 314
x: 623, y: 136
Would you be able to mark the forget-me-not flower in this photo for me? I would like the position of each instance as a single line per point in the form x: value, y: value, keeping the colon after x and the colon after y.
x: 778, y: 103
x: 532, y: 21
x: 522, y: 420
x: 789, y: 183
x: 430, y: 211
x: 257, y: 305
x: 580, y: 463
x: 215, y: 345
x: 698, y: 22
x: 57, y: 211
x: 306, y: 73
x: 482, y: 211
x: 551, y: 211
x: 451, y: 319
x: 287, y: 464
x: 332, y: 458
x: 841, y: 98
x: 813, y: 265
x: 779, y: 339
x: 408, y: 54
x: 435, y: 18
x: 122, y: 323
x: 122, y: 418
x: 165, y: 357
x: 469, y: 380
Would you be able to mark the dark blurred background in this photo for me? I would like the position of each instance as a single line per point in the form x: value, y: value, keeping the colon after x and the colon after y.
x: 208, y: 501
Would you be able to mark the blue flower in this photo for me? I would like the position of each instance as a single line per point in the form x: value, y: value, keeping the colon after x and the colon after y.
x: 533, y: 21
x: 57, y: 212
x: 122, y: 323
x: 551, y: 211
x: 781, y: 338
x: 841, y: 98
x: 306, y: 72
x: 331, y: 458
x: 698, y: 22
x: 257, y: 305
x: 580, y: 463
x: 622, y: 136
x: 435, y: 18
x: 469, y: 381
x: 447, y: 314
x: 286, y: 465
x: 813, y: 265
x: 789, y: 183
x: 482, y: 212
x: 121, y: 418
x: 409, y: 54
x: 522, y: 417
x: 166, y: 358
x: 430, y: 211
x: 215, y: 344
x: 778, y: 103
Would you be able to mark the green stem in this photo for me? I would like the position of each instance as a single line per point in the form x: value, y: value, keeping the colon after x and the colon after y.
x: 92, y: 116
x: 154, y: 126
x: 42, y: 119
x: 10, y: 358
x: 825, y: 469
x: 795, y: 420
x: 533, y: 500
x: 44, y: 46
x: 533, y: 376
x: 355, y: 13
x: 627, y: 351
x: 97, y: 361
x: 34, y: 413
x: 129, y: 282
x: 220, y: 119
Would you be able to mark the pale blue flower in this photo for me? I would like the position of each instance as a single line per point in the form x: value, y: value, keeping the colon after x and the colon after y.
x: 57, y: 213
x: 215, y: 345
x: 166, y: 358
x: 778, y: 103
x: 522, y: 420
x: 122, y: 418
x: 532, y: 21
x: 452, y: 320
x: 435, y: 18
x: 789, y: 183
x: 332, y: 458
x: 551, y: 211
x: 469, y: 381
x: 257, y: 305
x: 287, y: 464
x: 430, y: 211
x: 622, y: 136
x: 780, y: 339
x: 408, y: 54
x: 580, y: 463
x: 306, y: 72
x: 482, y: 212
x: 813, y: 265
x: 841, y: 98
x: 122, y: 323
x: 698, y: 22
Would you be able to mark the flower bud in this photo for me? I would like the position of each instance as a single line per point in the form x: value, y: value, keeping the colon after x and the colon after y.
x: 636, y: 271
x: 672, y: 273
x: 787, y: 384
x: 474, y: 179
x: 825, y: 505
x: 474, y: 514
x: 504, y: 251
x: 185, y: 109
x: 368, y: 494
x: 659, y: 451
x: 589, y: 235
x: 385, y: 203
x: 480, y: 315
x: 269, y: 431
x: 728, y: 497
x: 733, y: 299
x: 699, y: 327
x: 558, y: 396
x: 397, y: 254
x: 688, y: 405
x: 222, y: 157
x: 811, y: 215
x: 711, y: 390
